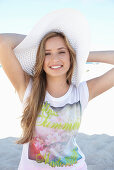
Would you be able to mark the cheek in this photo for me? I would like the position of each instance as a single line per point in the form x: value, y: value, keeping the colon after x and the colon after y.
x: 46, y: 60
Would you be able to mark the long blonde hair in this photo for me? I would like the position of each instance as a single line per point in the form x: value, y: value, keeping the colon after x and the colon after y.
x: 36, y: 98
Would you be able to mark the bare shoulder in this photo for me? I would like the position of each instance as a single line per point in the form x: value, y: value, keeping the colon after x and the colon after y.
x: 22, y: 90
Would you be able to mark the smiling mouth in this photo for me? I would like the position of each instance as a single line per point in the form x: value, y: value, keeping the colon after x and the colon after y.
x: 56, y: 67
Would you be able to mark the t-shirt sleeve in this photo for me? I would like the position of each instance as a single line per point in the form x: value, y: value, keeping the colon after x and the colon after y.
x: 83, y: 93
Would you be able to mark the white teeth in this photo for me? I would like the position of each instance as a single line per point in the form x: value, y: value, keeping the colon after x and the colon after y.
x: 56, y: 66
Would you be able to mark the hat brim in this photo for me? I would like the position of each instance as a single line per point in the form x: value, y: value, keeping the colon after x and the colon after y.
x: 69, y: 21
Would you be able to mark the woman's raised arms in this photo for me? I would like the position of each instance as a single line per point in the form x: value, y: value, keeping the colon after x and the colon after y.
x: 101, y: 84
x: 20, y: 79
x: 10, y: 63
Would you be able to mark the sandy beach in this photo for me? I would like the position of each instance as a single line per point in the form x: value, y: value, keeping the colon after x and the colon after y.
x: 96, y: 134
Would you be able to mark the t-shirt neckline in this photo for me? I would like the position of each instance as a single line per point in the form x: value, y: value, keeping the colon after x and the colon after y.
x: 59, y: 98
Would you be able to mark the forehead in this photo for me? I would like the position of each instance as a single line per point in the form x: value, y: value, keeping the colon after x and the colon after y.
x: 53, y: 42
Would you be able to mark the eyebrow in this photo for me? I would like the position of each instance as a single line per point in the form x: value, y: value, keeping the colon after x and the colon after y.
x: 58, y: 48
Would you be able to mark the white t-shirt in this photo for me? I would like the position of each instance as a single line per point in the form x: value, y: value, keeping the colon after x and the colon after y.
x: 53, y: 145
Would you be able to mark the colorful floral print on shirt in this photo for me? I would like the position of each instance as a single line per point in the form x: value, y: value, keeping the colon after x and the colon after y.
x: 54, y: 142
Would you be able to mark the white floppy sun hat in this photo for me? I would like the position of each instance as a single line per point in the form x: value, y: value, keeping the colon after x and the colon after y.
x: 69, y: 21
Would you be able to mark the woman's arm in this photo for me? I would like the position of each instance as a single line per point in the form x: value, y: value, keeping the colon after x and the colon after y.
x: 12, y: 39
x: 102, y: 83
x: 10, y: 63
x: 101, y: 56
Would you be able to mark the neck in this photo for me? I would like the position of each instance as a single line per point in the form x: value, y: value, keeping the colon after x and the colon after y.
x: 57, y: 87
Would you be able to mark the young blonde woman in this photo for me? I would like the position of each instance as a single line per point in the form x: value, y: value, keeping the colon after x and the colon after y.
x: 53, y: 101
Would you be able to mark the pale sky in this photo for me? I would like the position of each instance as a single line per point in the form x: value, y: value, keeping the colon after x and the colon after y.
x: 19, y: 16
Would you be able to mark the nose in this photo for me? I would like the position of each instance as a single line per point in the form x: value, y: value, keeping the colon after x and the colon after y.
x: 54, y: 57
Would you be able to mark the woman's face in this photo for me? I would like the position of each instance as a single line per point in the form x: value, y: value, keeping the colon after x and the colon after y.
x: 57, y: 57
